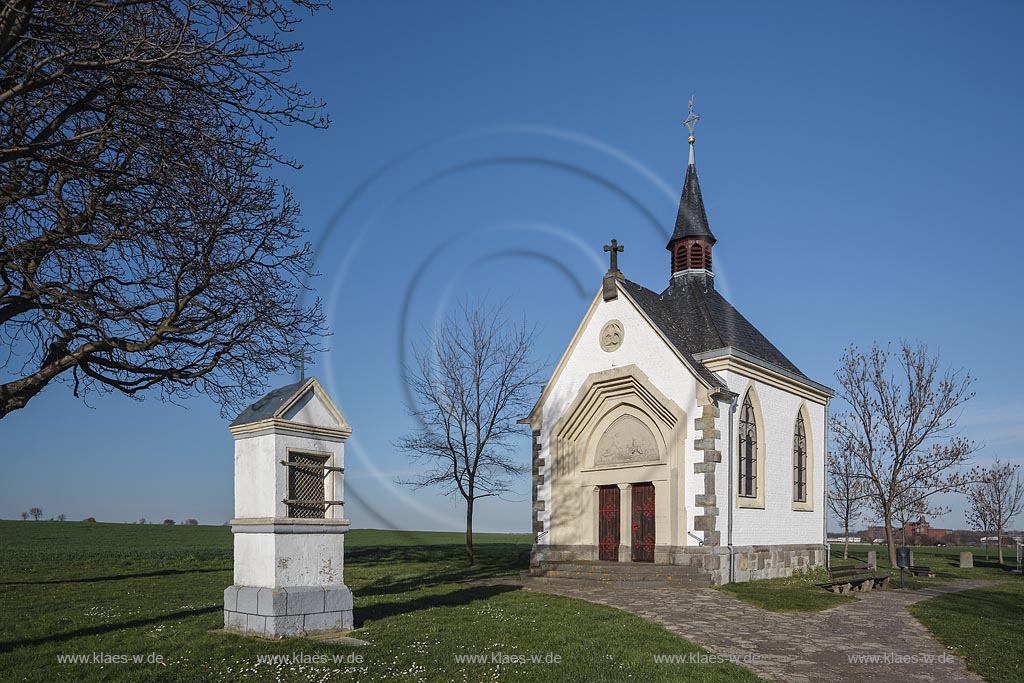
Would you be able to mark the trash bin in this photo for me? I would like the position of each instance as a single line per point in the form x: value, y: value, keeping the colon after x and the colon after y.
x: 903, y: 557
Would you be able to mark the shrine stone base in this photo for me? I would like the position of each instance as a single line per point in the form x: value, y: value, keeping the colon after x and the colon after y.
x: 287, y: 612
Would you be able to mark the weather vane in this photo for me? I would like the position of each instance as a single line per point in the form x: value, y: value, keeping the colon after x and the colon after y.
x: 691, y: 120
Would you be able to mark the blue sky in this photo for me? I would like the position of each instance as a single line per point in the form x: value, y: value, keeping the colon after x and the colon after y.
x: 860, y: 165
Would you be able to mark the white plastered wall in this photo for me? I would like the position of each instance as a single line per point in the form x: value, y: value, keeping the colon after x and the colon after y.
x: 777, y: 522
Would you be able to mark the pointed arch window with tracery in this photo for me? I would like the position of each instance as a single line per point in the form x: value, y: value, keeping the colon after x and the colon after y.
x: 748, y: 450
x: 800, y: 460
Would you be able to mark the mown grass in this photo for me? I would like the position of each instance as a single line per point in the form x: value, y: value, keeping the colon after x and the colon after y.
x: 801, y: 592
x: 945, y: 562
x: 808, y: 592
x: 76, y: 588
x: 983, y: 626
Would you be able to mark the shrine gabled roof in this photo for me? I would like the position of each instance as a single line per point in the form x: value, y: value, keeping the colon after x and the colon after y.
x: 267, y: 407
x: 697, y: 319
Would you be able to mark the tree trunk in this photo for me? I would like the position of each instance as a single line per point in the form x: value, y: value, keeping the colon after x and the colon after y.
x: 999, y: 542
x: 469, y: 532
x: 846, y: 540
x: 890, y: 539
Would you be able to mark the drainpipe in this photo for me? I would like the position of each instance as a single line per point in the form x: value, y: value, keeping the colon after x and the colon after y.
x: 729, y: 503
x: 824, y: 496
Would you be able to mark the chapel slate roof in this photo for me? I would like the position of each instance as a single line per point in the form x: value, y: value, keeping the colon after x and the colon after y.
x: 696, y: 318
x: 267, y: 407
x: 691, y: 220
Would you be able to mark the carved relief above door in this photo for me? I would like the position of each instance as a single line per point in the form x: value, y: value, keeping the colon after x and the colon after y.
x: 627, y: 440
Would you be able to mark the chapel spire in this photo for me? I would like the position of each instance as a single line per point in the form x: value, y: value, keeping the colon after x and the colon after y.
x: 692, y: 239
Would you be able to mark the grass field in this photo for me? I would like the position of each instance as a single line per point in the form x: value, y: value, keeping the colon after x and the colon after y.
x: 945, y: 562
x: 805, y: 592
x: 155, y: 591
x: 983, y: 625
x: 801, y: 592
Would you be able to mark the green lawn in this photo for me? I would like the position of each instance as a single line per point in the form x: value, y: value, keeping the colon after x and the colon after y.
x: 111, y: 589
x: 945, y: 562
x: 804, y: 592
x: 801, y: 592
x: 983, y: 626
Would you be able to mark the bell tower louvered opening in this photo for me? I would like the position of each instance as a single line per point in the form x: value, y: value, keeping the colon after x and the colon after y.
x: 692, y: 253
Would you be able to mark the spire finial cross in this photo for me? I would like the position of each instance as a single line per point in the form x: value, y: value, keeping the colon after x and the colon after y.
x: 613, y: 250
x: 691, y: 120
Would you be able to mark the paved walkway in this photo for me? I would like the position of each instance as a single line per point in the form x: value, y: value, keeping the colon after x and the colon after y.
x: 798, y: 647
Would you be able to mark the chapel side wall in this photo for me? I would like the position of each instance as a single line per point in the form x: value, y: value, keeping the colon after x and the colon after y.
x: 777, y: 523
x: 642, y: 347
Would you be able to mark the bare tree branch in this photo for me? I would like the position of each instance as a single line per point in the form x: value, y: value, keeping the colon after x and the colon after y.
x: 143, y: 243
x: 901, y: 426
x: 470, y: 385
x: 996, y: 500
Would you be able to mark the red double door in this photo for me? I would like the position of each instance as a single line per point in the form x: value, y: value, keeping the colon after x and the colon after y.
x: 608, y: 522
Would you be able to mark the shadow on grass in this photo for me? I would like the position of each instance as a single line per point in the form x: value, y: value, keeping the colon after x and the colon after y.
x: 456, y: 598
x: 107, y: 628
x: 116, y: 577
x: 492, y: 562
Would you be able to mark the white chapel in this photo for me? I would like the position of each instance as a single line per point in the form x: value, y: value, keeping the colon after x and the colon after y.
x: 673, y: 432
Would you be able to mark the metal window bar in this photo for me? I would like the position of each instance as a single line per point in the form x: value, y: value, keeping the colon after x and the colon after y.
x: 300, y: 501
x: 306, y: 474
x: 325, y: 468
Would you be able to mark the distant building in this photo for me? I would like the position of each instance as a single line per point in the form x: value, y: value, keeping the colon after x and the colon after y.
x: 922, y: 532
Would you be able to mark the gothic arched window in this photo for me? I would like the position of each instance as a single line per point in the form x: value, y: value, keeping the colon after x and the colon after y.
x: 800, y: 460
x: 748, y: 450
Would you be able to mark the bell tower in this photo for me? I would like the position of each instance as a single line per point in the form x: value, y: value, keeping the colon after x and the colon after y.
x: 692, y: 240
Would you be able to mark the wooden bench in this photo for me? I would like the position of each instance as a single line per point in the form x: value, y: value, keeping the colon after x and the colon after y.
x: 919, y: 570
x: 856, y: 577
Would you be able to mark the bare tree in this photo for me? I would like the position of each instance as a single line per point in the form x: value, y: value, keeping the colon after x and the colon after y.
x: 143, y: 241
x: 142, y: 520
x: 24, y: 516
x: 847, y: 492
x: 471, y: 384
x: 36, y: 513
x: 979, y: 516
x: 62, y: 517
x: 901, y: 425
x: 997, y: 499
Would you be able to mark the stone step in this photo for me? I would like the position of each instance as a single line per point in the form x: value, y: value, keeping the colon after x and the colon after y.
x: 614, y: 572
x: 664, y: 579
x: 591, y: 582
x: 618, y: 567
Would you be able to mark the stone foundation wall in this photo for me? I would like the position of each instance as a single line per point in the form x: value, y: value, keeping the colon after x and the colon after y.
x: 287, y: 612
x: 749, y: 562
